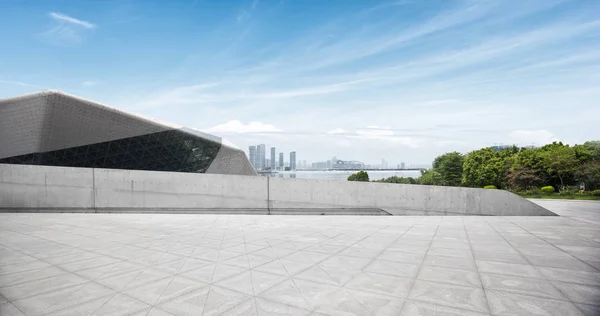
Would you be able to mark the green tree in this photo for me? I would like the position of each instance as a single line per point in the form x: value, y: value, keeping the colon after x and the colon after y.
x: 359, y: 176
x: 560, y: 160
x: 487, y: 167
x: 594, y: 148
x: 396, y: 179
x: 450, y: 168
x: 589, y: 173
x: 430, y: 177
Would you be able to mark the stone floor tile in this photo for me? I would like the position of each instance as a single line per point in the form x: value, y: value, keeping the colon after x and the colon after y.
x: 360, y: 252
x: 87, y: 263
x: 579, y: 293
x: 381, y: 284
x: 62, y: 298
x: 191, y: 303
x: 416, y: 308
x: 8, y: 309
x: 504, y: 303
x: 393, y: 268
x: 287, y: 292
x: 446, y: 275
x: 28, y: 276
x: 520, y: 270
x: 449, y: 262
x: 23, y: 290
x: 348, y: 262
x: 518, y: 285
x: 455, y: 253
x: 120, y: 305
x: 327, y: 274
x: 402, y: 257
x: 496, y: 257
x: 563, y: 262
x: 266, y: 307
x: 22, y: 267
x: 589, y: 310
x: 457, y: 296
x: 571, y: 276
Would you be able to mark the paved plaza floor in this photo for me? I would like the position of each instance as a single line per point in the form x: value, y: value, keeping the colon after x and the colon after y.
x: 160, y: 265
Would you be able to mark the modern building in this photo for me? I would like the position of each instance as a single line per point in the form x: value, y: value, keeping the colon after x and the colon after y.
x: 54, y: 128
x: 273, y: 158
x: 281, y: 166
x: 252, y: 154
x: 402, y: 165
x: 261, y: 157
x: 293, y: 160
x: 348, y: 165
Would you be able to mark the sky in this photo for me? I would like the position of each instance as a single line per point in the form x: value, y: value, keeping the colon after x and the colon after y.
x: 360, y: 80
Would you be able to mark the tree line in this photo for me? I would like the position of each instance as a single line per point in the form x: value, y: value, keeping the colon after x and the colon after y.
x: 558, y: 165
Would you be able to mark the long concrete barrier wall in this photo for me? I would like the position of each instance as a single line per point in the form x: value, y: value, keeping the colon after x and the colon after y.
x: 25, y: 187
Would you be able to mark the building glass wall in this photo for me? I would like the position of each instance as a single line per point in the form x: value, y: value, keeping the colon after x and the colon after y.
x: 171, y: 150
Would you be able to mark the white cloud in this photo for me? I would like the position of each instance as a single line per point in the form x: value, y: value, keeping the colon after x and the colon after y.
x: 72, y: 20
x: 66, y: 30
x: 89, y: 83
x: 337, y: 131
x: 532, y: 137
x: 237, y: 127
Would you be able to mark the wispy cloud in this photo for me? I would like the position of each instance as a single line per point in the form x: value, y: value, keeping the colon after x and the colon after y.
x: 66, y: 30
x: 18, y: 83
x: 237, y: 127
x: 463, y: 75
x: 72, y: 20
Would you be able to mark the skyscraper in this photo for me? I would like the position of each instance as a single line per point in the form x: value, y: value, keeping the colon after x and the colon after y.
x: 261, y: 151
x: 252, y: 155
x: 402, y: 165
x: 281, y: 161
x: 292, y: 160
x: 273, y: 162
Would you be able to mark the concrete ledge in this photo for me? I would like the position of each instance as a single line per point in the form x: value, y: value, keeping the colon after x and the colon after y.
x: 127, y: 191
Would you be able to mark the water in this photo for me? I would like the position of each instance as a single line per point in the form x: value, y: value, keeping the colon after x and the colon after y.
x: 343, y: 175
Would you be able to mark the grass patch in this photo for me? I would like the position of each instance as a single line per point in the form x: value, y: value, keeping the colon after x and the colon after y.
x: 562, y: 197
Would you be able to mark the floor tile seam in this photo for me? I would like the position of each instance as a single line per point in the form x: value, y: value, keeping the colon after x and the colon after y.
x: 422, y: 262
x: 510, y: 291
x: 71, y: 306
x: 40, y: 279
x: 538, y: 270
x: 21, y: 262
x: 445, y: 305
x: 596, y: 269
x: 453, y: 278
x: 487, y: 302
x: 69, y: 246
x: 57, y: 289
x: 382, y: 250
x: 543, y: 298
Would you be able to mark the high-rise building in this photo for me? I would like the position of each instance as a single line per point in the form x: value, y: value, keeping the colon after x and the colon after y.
x: 252, y: 155
x: 281, y: 166
x: 267, y: 163
x: 261, y: 151
x: 293, y: 160
x: 273, y: 162
x: 402, y: 165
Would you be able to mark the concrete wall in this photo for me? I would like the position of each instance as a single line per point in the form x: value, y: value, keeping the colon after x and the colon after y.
x: 106, y: 189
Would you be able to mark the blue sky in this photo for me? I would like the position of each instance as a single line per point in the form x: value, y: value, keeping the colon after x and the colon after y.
x: 362, y: 80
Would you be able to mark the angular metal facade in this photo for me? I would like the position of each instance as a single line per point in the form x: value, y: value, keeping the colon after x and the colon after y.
x: 57, y: 129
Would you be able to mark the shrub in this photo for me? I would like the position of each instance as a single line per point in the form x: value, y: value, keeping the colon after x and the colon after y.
x: 535, y: 191
x: 595, y: 193
x: 548, y: 189
x: 566, y: 193
x: 491, y: 186
x: 359, y: 176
